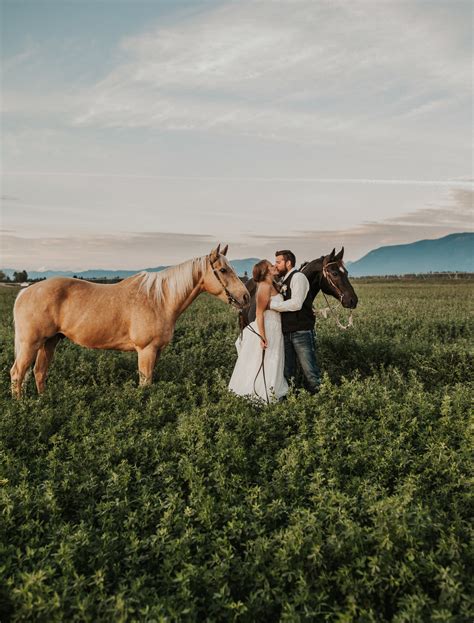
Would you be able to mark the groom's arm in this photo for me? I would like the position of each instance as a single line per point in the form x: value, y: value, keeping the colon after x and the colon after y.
x: 299, y: 291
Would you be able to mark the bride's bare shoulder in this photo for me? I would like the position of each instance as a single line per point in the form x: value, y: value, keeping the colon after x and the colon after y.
x: 263, y: 291
x: 264, y: 286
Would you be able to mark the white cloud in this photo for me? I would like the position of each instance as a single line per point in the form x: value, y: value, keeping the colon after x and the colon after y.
x: 112, y: 251
x: 125, y: 250
x: 342, y: 114
x: 302, y: 71
x: 12, y: 63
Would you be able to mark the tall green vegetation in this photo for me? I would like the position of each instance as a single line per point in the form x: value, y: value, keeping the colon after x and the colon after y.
x: 181, y: 502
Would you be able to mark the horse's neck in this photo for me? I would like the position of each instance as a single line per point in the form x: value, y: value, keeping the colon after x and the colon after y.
x: 184, y: 298
x: 177, y: 292
x: 314, y: 275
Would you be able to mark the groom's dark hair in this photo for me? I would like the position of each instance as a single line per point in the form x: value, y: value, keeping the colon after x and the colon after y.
x: 288, y: 255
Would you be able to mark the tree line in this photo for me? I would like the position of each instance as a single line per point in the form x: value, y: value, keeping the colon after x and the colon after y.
x: 18, y: 276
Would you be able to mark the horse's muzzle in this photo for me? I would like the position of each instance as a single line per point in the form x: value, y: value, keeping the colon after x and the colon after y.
x: 242, y: 303
x: 350, y: 302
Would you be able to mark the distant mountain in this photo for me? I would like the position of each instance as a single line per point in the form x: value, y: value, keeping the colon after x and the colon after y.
x: 450, y: 253
x: 244, y: 266
x: 240, y: 266
x: 85, y: 274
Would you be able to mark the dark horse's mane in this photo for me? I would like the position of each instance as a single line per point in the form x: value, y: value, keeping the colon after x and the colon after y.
x: 306, y: 267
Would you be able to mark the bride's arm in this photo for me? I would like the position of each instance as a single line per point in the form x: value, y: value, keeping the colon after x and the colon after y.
x: 263, y: 297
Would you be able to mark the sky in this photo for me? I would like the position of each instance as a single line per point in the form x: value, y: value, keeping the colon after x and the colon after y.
x: 138, y: 134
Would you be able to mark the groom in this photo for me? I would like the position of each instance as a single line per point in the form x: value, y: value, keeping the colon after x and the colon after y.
x: 297, y: 320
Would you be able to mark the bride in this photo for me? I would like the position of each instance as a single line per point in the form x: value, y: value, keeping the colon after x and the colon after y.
x: 259, y: 368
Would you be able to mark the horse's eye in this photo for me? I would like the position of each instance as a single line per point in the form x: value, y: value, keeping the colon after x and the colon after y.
x: 223, y: 270
x: 334, y: 272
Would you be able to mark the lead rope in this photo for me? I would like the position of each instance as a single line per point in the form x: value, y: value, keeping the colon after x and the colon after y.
x: 329, y: 308
x: 262, y: 366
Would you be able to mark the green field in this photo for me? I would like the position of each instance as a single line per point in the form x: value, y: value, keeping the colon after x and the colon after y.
x: 181, y: 502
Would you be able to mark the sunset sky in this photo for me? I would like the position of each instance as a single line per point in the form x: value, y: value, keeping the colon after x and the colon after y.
x: 138, y: 133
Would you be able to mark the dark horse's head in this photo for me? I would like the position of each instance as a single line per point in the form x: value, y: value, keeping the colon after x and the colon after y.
x: 334, y: 279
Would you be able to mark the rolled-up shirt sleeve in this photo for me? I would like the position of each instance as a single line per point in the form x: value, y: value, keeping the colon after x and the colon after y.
x: 299, y: 290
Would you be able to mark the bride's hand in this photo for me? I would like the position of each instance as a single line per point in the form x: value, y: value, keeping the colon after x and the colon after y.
x: 264, y: 343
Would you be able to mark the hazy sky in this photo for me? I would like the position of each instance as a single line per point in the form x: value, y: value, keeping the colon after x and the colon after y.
x: 138, y: 133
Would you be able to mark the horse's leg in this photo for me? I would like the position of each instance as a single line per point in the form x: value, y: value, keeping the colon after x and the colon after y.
x: 25, y: 356
x: 43, y: 361
x: 146, y: 362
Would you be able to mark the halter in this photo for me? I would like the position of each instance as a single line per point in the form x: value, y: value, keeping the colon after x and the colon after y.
x: 230, y: 298
x: 331, y: 282
x: 340, y: 294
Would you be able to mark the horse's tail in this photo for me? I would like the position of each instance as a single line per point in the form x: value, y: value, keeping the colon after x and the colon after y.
x: 15, y: 324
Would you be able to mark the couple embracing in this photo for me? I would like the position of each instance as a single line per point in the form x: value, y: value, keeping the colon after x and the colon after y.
x: 283, y: 330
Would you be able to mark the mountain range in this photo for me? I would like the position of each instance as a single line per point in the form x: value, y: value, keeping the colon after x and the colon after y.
x: 448, y: 254
x: 240, y: 266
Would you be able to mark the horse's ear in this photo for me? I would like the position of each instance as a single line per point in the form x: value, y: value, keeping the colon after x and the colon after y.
x: 340, y: 255
x: 331, y: 255
x: 224, y: 250
x: 214, y: 254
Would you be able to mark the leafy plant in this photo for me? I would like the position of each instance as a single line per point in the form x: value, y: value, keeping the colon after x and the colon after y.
x: 181, y: 501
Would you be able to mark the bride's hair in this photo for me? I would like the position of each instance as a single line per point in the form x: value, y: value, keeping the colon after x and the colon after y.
x: 260, y: 270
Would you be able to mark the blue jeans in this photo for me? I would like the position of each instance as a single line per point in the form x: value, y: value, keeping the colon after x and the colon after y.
x: 301, y: 345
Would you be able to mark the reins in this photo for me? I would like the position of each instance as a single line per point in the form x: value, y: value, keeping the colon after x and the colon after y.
x: 262, y: 366
x: 231, y: 300
x: 338, y: 322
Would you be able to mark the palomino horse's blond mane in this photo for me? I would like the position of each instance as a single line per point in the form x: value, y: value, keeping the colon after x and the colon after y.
x: 177, y: 279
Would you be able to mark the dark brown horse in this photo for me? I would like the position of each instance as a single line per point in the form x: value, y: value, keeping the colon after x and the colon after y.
x: 327, y: 274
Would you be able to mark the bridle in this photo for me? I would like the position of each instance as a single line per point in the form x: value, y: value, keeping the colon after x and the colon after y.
x: 328, y: 278
x: 230, y: 298
x: 340, y: 295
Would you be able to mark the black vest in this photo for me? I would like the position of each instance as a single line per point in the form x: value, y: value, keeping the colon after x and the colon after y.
x: 301, y: 320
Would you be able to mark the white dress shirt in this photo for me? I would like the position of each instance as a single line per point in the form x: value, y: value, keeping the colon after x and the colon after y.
x: 299, y: 291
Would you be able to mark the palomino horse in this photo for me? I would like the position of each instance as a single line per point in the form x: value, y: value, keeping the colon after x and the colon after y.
x: 138, y: 313
x: 326, y: 273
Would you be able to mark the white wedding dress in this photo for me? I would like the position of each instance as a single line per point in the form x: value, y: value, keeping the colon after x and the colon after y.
x: 246, y: 378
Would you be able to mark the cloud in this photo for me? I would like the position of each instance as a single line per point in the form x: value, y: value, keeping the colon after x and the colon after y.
x: 302, y: 71
x: 451, y: 183
x: 458, y: 213
x: 431, y: 223
x: 114, y: 251
x: 452, y: 214
x: 12, y: 63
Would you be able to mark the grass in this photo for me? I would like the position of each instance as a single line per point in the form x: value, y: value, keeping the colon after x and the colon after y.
x: 182, y: 502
